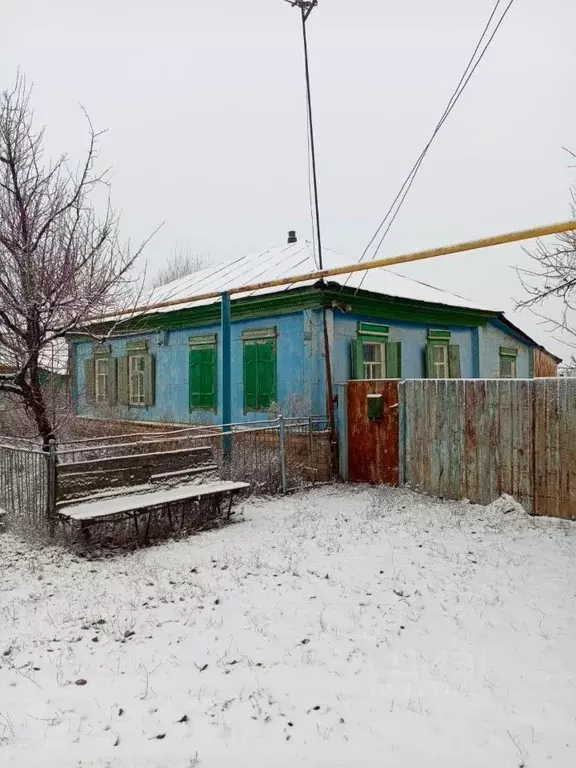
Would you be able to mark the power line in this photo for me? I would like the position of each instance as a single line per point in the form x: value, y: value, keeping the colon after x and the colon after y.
x: 451, y: 102
x: 463, y: 82
x: 440, y: 124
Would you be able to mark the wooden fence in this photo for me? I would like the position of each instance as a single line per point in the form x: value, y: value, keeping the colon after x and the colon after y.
x: 478, y: 439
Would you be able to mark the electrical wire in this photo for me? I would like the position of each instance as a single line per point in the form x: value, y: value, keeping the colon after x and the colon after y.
x: 462, y: 83
x: 440, y: 124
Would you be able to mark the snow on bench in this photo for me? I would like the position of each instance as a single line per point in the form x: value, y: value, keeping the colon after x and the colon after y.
x: 133, y: 503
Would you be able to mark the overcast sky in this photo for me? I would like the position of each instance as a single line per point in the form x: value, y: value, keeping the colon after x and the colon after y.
x: 204, y: 102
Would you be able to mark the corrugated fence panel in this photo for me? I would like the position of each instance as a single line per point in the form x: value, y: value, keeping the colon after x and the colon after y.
x: 525, y: 492
x: 505, y: 430
x: 471, y: 438
x: 433, y: 421
x: 453, y: 474
x: 477, y: 439
x: 552, y: 446
x: 568, y: 447
x: 482, y: 444
x: 494, y: 457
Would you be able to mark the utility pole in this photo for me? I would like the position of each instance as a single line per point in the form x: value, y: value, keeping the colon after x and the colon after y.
x: 306, y: 8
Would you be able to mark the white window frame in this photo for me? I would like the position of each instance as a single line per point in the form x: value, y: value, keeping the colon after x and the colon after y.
x: 137, y: 380
x: 370, y: 368
x: 512, y: 361
x: 441, y: 367
x: 101, y: 383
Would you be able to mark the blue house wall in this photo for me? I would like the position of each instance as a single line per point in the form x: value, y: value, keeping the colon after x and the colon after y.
x: 495, y: 335
x: 301, y: 365
x: 413, y: 337
x: 295, y: 380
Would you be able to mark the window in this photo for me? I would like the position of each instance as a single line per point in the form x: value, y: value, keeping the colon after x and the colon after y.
x: 259, y: 369
x: 374, y: 360
x: 508, y: 362
x: 203, y: 372
x: 101, y: 368
x: 373, y: 356
x: 100, y: 376
x: 442, y: 357
x: 136, y: 375
x: 440, y: 369
x: 136, y: 379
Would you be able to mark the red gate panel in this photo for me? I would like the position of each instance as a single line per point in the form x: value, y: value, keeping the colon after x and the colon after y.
x: 373, y: 444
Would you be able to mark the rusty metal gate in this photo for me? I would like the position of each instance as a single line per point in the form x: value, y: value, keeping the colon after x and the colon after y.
x: 468, y: 439
x: 373, y: 434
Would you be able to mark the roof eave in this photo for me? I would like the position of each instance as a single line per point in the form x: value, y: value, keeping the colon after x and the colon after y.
x: 502, y: 317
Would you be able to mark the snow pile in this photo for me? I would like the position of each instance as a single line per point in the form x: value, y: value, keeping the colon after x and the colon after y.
x: 344, y: 627
x: 506, y: 505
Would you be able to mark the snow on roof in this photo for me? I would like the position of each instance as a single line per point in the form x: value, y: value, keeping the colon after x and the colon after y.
x: 292, y: 260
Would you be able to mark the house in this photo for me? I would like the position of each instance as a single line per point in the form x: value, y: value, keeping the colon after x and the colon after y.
x: 545, y: 363
x: 53, y: 364
x: 164, y: 364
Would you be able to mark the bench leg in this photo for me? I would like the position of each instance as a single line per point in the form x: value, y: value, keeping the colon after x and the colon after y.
x: 147, y: 526
x: 229, y: 512
x: 169, y: 512
x: 85, y: 530
x: 135, y: 518
x: 183, y: 513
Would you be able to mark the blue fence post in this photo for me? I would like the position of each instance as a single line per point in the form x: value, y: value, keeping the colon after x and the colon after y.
x: 226, y: 384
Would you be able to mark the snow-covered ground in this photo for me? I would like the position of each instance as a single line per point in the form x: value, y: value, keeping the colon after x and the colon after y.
x: 342, y: 627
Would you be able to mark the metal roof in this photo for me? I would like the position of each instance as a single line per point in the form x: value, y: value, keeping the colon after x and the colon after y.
x: 294, y: 259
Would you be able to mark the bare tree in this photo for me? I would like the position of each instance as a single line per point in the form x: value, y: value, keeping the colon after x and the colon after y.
x: 553, y: 279
x: 182, y: 263
x: 569, y: 368
x: 61, y: 262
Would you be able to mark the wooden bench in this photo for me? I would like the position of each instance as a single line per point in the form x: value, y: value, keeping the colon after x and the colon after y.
x: 81, y: 478
x: 132, y: 506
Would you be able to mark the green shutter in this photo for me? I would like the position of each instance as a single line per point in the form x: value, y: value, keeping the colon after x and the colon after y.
x: 202, y: 382
x: 112, y: 381
x: 259, y: 374
x: 195, y: 378
x: 122, y: 385
x: 454, y: 361
x: 429, y: 361
x: 149, y: 379
x: 208, y: 399
x: 372, y: 329
x: 441, y: 336
x: 357, y: 354
x: 393, y: 360
x: 90, y: 380
x: 250, y: 376
x: 266, y: 373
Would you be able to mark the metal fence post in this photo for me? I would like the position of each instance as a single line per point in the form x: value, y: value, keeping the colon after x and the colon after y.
x: 52, y: 480
x: 312, y: 462
x: 282, y: 448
